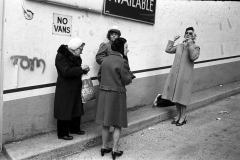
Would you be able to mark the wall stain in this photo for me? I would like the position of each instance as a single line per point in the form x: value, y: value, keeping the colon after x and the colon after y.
x: 13, y: 132
x: 197, y: 23
x: 91, y: 32
x: 222, y: 51
x: 229, y: 24
x: 29, y: 62
x: 220, y: 25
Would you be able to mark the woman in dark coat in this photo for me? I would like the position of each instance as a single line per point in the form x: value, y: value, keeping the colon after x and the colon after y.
x: 114, y: 75
x: 68, y: 107
x: 178, y: 86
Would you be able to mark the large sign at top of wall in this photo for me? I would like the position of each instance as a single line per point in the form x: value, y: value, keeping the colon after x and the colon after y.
x: 138, y: 10
x: 62, y: 25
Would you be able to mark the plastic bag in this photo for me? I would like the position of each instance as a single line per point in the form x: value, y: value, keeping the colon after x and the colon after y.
x: 88, y: 93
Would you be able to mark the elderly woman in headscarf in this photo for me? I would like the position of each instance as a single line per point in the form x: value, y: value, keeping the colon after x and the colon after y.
x: 114, y: 75
x: 68, y: 107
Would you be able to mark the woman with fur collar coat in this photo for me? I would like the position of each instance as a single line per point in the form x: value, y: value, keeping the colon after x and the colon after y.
x: 68, y: 107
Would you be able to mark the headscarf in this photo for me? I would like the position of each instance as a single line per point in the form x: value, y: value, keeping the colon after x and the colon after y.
x: 75, y: 43
x: 118, y: 45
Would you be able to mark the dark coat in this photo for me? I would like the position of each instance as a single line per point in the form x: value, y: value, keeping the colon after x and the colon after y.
x: 68, y: 101
x: 112, y: 100
x: 178, y: 86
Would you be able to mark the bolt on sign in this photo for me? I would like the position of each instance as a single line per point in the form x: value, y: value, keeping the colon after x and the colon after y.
x: 62, y: 25
x: 137, y: 10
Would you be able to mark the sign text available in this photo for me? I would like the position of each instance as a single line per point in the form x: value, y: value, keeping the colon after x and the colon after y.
x: 139, y: 10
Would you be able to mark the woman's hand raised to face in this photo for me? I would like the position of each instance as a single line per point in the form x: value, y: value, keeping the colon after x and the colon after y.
x: 176, y: 37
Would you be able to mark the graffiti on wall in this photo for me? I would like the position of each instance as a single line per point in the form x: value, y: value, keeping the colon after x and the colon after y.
x: 28, y: 63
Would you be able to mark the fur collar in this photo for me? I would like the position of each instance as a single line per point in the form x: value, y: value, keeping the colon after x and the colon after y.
x: 63, y: 49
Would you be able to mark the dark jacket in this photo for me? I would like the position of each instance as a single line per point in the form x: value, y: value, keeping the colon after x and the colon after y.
x: 68, y: 101
x: 112, y: 104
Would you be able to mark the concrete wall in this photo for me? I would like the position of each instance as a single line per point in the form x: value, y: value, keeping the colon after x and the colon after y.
x: 28, y: 112
x: 1, y: 70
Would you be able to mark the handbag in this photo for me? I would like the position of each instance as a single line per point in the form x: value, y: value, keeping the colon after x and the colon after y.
x: 159, y: 102
x: 87, y: 91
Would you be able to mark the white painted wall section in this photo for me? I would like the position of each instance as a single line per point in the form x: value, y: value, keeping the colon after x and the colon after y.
x: 216, y: 23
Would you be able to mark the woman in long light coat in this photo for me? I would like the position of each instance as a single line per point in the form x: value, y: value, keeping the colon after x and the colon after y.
x: 114, y: 75
x: 178, y: 86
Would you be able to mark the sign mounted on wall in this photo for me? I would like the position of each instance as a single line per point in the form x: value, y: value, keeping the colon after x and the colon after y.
x: 62, y: 25
x: 138, y: 10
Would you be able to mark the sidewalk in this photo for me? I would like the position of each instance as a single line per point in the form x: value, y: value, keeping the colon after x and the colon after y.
x: 47, y: 146
x: 2, y: 157
x: 211, y: 133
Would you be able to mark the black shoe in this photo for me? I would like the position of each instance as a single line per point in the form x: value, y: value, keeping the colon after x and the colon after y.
x: 114, y: 154
x: 79, y: 132
x: 175, y: 121
x: 133, y: 76
x: 103, y: 150
x: 183, y: 122
x: 65, y: 137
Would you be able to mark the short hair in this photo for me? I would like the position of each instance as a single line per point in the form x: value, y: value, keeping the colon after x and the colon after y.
x: 189, y: 28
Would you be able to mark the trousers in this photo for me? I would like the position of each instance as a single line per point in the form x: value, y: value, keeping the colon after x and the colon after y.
x: 66, y: 127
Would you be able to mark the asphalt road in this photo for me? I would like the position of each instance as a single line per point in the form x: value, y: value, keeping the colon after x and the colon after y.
x: 211, y: 133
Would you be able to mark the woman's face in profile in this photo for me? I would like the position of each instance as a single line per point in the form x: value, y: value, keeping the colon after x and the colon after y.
x: 79, y: 50
x: 126, y: 49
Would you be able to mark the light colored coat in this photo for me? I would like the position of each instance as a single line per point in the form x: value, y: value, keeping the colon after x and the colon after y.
x: 112, y: 103
x: 178, y: 86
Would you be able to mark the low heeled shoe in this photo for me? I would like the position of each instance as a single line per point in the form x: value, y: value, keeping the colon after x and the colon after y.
x: 103, y: 150
x: 65, y: 137
x: 79, y: 132
x: 183, y: 122
x: 116, y: 154
x: 175, y: 122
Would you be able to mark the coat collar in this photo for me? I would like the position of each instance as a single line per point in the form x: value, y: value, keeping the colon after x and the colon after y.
x: 63, y: 49
x: 115, y: 53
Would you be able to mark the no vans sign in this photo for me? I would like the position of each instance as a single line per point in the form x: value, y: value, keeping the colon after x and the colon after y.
x: 62, y: 24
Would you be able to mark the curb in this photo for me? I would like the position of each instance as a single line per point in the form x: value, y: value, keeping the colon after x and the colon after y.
x: 47, y: 146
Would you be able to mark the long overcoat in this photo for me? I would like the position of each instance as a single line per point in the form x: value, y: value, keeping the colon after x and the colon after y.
x: 112, y: 101
x: 68, y: 101
x: 178, y: 86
